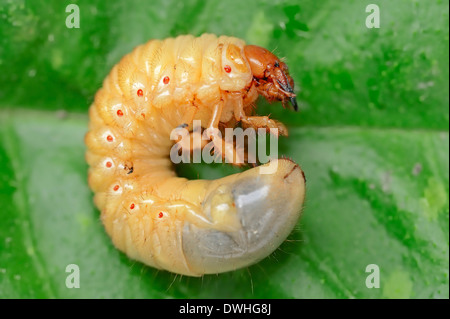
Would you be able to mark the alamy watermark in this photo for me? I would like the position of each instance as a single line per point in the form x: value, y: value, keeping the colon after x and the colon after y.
x: 230, y: 149
x: 373, y: 19
x: 73, y: 19
x: 373, y: 279
x: 73, y: 279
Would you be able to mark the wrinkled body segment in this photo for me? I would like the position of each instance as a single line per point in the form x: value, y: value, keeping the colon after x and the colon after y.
x: 190, y: 227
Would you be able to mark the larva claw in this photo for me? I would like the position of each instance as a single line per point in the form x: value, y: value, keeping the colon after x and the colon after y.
x: 256, y: 213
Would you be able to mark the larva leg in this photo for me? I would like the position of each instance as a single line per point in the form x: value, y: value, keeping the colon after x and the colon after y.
x: 238, y: 102
x: 189, y: 144
x: 217, y: 113
x: 222, y: 147
x: 188, y: 117
x: 264, y: 122
x: 229, y: 152
x: 256, y: 121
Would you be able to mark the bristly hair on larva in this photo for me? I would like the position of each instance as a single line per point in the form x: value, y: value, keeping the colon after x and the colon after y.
x: 190, y: 227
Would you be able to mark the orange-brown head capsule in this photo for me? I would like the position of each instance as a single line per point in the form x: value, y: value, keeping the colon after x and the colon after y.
x: 271, y: 75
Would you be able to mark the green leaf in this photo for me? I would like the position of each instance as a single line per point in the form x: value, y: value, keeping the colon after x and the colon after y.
x: 371, y: 136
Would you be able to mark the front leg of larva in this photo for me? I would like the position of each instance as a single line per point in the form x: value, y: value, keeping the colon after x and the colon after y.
x: 222, y: 148
x: 255, y: 122
x: 265, y: 122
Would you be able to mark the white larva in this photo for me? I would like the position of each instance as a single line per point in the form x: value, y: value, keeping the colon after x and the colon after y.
x: 190, y: 227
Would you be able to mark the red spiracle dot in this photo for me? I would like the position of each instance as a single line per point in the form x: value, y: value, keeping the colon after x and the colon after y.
x: 119, y: 113
x: 227, y: 68
x: 166, y: 80
x: 132, y: 206
x: 108, y: 164
x: 160, y: 215
x: 140, y: 92
x: 109, y: 138
x: 116, y: 188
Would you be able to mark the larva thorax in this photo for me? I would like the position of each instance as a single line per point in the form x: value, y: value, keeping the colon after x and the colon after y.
x: 182, y: 72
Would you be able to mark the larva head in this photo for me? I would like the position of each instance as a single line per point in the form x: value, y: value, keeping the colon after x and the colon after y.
x: 271, y: 75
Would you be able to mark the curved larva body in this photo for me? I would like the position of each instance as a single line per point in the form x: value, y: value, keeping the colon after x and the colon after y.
x: 188, y: 227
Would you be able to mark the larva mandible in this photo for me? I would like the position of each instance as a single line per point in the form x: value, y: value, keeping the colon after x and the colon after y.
x: 190, y: 227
